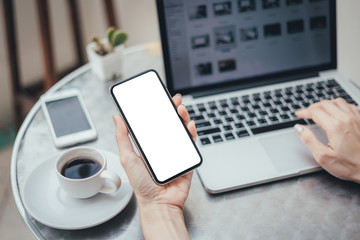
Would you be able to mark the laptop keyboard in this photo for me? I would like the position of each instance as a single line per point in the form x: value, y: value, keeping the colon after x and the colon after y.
x: 238, y: 117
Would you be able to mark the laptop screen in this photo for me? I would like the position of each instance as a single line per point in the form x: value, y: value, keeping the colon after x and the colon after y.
x: 218, y: 43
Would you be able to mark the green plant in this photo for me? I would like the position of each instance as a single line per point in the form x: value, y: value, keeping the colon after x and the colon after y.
x: 115, y: 38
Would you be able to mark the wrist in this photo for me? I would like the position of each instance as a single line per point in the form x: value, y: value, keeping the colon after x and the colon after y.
x: 159, y: 207
x: 162, y: 221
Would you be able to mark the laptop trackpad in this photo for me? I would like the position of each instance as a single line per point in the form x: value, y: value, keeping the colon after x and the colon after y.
x: 288, y: 153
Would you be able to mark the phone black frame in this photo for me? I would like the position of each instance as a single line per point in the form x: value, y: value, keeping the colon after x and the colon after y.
x: 136, y: 140
x: 246, y: 82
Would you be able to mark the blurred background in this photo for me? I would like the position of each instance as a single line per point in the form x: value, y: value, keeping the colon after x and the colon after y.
x: 50, y: 36
x: 71, y: 23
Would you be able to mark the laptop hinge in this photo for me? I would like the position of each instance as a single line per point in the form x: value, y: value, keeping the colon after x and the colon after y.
x: 252, y: 84
x: 327, y: 72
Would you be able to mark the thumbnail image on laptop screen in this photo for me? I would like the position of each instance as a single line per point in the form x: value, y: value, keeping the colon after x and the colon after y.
x: 217, y: 41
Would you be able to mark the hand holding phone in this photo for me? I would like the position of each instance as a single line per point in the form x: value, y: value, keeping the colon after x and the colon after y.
x: 157, y: 130
x: 144, y: 186
x: 153, y: 198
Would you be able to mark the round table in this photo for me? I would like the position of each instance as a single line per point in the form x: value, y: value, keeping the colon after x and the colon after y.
x: 314, y: 206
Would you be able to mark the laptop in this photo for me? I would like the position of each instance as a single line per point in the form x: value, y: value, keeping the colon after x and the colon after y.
x: 244, y: 67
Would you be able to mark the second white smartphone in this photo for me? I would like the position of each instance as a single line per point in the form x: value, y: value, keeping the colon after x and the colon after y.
x: 68, y: 118
x: 155, y: 126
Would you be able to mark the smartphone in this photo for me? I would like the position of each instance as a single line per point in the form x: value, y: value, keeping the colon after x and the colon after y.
x: 157, y: 130
x: 68, y: 118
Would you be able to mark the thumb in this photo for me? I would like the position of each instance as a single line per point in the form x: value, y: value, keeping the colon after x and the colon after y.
x: 311, y: 141
x: 122, y: 138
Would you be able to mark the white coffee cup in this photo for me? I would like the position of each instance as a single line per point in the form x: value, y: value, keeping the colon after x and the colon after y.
x: 81, y: 184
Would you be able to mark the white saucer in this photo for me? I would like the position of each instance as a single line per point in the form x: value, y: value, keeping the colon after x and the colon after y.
x: 45, y: 201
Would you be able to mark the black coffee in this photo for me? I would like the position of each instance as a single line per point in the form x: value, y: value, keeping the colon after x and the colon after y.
x: 80, y: 168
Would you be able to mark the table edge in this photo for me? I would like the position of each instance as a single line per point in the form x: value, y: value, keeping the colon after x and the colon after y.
x: 17, y: 143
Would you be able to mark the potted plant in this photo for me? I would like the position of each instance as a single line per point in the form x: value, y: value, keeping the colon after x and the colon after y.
x: 105, y: 55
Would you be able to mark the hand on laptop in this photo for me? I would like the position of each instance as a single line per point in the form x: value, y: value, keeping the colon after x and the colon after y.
x: 160, y: 206
x: 341, y: 122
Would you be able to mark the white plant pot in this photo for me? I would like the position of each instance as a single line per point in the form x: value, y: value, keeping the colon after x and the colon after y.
x: 108, y: 67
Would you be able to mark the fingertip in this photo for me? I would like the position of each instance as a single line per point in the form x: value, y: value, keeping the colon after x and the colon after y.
x: 310, y: 140
x: 177, y: 99
x: 179, y: 109
x: 191, y: 125
x: 183, y: 113
x: 303, y: 132
x: 118, y: 120
x: 115, y: 119
x: 298, y: 128
x: 181, y: 106
x: 304, y: 135
x: 192, y: 129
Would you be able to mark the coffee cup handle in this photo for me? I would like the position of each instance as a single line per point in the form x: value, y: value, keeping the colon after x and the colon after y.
x: 112, y: 177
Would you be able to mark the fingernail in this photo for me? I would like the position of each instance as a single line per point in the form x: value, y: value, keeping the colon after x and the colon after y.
x: 298, y: 128
x: 178, y: 94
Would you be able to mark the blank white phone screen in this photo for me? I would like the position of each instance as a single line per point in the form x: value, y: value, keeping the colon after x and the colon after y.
x: 156, y: 125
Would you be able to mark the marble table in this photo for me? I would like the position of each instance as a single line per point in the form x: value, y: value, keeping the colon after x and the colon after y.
x: 314, y: 206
